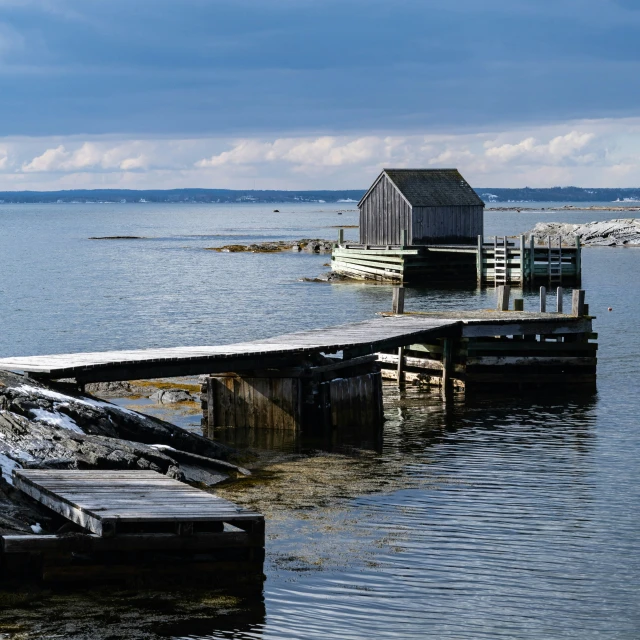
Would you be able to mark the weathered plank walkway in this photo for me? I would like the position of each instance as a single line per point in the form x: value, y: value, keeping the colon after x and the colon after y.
x: 138, y: 526
x: 354, y: 339
x: 106, y: 502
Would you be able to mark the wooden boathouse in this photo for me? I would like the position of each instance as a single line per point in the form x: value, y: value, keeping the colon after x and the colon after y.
x: 426, y: 226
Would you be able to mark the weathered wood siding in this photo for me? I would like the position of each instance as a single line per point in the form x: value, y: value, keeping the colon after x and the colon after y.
x: 442, y: 225
x: 384, y: 214
x: 261, y: 403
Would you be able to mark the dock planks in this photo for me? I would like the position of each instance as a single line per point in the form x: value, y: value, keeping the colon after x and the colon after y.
x: 105, y: 502
x: 354, y: 339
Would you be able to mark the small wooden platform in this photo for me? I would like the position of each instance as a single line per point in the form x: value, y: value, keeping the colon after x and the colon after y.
x: 111, y: 502
x: 140, y: 527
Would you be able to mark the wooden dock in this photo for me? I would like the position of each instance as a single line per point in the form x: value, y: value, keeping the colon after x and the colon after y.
x: 493, y: 261
x: 136, y: 524
x: 357, y: 338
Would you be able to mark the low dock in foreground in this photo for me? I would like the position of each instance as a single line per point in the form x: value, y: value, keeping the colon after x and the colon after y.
x: 133, y: 526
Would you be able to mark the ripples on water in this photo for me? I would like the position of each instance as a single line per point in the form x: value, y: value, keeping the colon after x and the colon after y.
x: 501, y: 518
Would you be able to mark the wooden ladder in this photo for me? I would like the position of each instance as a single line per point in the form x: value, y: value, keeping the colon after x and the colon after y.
x: 554, y: 264
x: 500, y: 254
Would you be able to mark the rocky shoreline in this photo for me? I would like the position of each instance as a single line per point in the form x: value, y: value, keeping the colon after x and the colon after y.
x: 566, y: 207
x: 623, y: 232
x: 54, y: 427
x: 310, y: 245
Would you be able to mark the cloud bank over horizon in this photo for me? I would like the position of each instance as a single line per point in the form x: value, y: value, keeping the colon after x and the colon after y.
x: 317, y: 93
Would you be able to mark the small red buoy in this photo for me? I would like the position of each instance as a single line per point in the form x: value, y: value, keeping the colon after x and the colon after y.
x: 610, y: 309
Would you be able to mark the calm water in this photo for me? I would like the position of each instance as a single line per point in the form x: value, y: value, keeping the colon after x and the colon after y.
x: 504, y: 518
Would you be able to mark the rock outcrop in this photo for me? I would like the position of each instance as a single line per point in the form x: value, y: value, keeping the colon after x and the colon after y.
x: 47, y: 427
x: 607, y: 233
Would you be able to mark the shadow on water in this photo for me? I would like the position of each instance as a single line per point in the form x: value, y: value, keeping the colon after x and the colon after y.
x: 109, y: 613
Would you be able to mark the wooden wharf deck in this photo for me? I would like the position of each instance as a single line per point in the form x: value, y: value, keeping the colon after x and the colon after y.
x: 136, y: 524
x: 354, y: 339
x: 489, y: 262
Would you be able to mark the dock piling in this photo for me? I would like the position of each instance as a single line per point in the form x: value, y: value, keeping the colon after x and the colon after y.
x: 503, y: 297
x: 397, y: 305
x: 340, y: 237
x: 518, y: 304
x: 543, y: 299
x: 577, y: 303
x: 559, y: 300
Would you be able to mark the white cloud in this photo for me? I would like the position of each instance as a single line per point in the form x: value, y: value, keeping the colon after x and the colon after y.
x: 586, y: 153
x: 89, y: 156
x: 560, y: 148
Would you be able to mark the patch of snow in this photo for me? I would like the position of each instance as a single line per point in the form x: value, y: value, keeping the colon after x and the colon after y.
x: 60, y: 397
x: 7, y: 465
x: 36, y: 528
x: 55, y: 419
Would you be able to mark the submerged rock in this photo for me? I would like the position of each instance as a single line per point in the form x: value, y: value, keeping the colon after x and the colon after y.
x: 606, y: 233
x: 170, y: 396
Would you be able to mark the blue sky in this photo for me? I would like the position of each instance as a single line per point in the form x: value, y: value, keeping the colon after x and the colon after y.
x: 317, y: 93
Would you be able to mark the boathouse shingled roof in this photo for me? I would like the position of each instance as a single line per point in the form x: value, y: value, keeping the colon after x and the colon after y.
x: 432, y: 187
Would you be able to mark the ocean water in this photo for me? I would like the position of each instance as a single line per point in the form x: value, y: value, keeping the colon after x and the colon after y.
x: 505, y: 517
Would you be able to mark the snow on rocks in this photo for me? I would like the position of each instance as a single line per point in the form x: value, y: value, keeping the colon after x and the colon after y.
x: 621, y: 232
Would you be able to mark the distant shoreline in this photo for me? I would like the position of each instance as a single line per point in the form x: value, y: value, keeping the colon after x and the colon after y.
x: 566, y: 207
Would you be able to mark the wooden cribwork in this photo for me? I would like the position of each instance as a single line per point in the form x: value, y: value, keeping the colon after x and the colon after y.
x: 314, y: 400
x: 494, y: 262
x: 548, y: 351
x: 137, y: 525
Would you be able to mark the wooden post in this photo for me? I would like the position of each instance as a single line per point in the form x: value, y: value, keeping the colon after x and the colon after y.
x: 479, y: 261
x: 549, y: 257
x: 503, y: 297
x: 585, y: 309
x: 400, y: 365
x: 543, y: 299
x: 447, y: 367
x: 522, y: 260
x: 518, y: 304
x: 403, y: 238
x: 397, y: 305
x: 559, y: 300
x: 341, y: 236
x: 578, y: 260
x: 577, y: 303
x: 532, y: 257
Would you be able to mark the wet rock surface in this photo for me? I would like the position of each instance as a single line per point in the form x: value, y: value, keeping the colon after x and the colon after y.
x: 171, y: 396
x: 606, y: 233
x: 47, y: 427
x: 310, y: 245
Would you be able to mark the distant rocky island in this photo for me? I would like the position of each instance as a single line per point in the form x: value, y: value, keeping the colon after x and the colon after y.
x: 348, y: 196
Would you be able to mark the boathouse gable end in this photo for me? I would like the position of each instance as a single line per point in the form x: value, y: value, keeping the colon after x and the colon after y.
x: 434, y: 206
x: 384, y: 213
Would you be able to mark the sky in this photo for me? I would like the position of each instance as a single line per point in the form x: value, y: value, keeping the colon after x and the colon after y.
x: 317, y: 94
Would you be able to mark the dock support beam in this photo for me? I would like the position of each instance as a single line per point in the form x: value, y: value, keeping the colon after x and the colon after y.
x: 543, y: 299
x: 479, y: 261
x: 447, y: 368
x: 578, y: 260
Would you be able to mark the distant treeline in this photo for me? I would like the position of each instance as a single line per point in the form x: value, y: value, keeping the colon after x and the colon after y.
x: 178, y: 195
x: 553, y: 194
x: 557, y: 194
